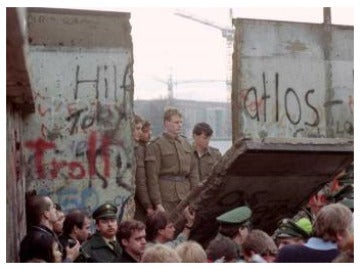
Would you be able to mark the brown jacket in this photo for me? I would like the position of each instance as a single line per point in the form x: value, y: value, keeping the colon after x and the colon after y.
x: 141, y: 191
x: 207, y: 161
x: 167, y: 157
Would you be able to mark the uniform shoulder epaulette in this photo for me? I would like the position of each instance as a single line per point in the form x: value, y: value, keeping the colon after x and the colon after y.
x: 154, y: 139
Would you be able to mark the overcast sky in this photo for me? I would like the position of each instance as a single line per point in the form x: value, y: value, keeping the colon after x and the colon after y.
x: 167, y: 44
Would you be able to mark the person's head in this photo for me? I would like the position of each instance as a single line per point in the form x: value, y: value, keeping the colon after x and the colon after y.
x: 260, y: 243
x: 40, y: 210
x: 222, y: 248
x: 173, y: 121
x: 159, y: 253
x: 132, y: 237
x: 138, y: 124
x: 39, y: 246
x: 202, y: 133
x: 59, y: 223
x: 191, y: 252
x: 106, y: 220
x: 290, y: 232
x: 235, y: 223
x: 146, y: 132
x: 333, y: 223
x: 77, y: 225
x: 159, y: 228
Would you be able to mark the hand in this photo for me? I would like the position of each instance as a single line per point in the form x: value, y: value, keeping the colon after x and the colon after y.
x: 150, y: 211
x: 189, y: 216
x: 160, y: 208
x: 73, y: 253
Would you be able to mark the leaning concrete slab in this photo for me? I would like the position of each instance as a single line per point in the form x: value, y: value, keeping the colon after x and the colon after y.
x: 275, y: 177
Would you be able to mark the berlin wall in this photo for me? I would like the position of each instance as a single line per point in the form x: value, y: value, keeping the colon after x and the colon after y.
x: 78, y: 146
x: 292, y: 80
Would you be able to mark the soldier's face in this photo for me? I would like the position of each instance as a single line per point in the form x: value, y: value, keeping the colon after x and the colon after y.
x: 202, y: 141
x: 174, y: 125
x: 137, y: 131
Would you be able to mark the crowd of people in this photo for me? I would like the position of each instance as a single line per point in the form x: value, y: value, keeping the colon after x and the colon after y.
x: 168, y: 167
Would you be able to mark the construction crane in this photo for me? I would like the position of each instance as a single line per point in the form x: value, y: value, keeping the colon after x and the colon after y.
x: 226, y: 32
x: 170, y: 83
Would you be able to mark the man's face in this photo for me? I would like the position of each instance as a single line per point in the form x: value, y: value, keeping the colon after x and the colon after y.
x: 202, y: 141
x: 83, y: 233
x: 59, y: 224
x: 174, y: 125
x: 107, y: 227
x: 146, y: 134
x: 51, y: 213
x: 168, y: 232
x: 136, y: 243
x: 137, y: 131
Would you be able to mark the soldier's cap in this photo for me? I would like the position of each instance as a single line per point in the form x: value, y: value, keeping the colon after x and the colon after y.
x: 106, y: 210
x: 238, y: 215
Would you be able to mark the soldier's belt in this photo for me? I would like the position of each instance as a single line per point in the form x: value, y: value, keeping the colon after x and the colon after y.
x: 174, y: 178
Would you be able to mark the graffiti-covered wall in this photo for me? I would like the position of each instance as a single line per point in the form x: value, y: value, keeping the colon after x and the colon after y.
x: 292, y: 80
x: 78, y: 146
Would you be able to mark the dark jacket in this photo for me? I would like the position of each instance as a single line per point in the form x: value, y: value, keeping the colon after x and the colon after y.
x: 97, y: 250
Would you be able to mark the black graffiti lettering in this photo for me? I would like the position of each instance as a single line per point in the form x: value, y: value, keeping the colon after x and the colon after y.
x: 76, y: 117
x: 78, y: 82
x: 104, y: 116
x: 317, y: 119
x: 288, y: 91
x: 256, y: 116
x: 87, y: 121
x: 277, y: 96
x: 264, y: 97
x: 349, y: 128
x: 232, y: 198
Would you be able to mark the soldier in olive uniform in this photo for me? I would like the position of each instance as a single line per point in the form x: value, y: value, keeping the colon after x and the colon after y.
x: 205, y: 155
x: 170, y: 165
x: 144, y: 207
x: 102, y: 246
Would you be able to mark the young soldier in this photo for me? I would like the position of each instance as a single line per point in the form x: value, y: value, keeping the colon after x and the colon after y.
x: 170, y: 165
x: 206, y: 156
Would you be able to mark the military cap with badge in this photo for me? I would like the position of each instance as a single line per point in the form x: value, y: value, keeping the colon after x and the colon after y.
x: 104, y: 211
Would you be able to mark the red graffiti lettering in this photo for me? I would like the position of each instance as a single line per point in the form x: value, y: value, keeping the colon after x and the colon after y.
x: 40, y: 146
x: 56, y: 167
x: 74, y: 167
x: 92, y: 153
x: 105, y: 155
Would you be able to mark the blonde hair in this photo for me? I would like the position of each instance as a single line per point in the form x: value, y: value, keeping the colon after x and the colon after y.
x: 191, y: 252
x: 171, y: 111
x: 159, y: 253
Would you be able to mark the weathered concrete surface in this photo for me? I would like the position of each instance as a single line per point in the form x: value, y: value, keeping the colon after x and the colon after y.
x: 79, y: 147
x: 18, y: 90
x: 274, y: 177
x: 19, y: 102
x: 292, y: 80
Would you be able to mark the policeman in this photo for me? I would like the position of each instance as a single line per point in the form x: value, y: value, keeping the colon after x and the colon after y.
x: 103, y: 245
x: 170, y: 165
x: 290, y: 232
x: 235, y: 224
